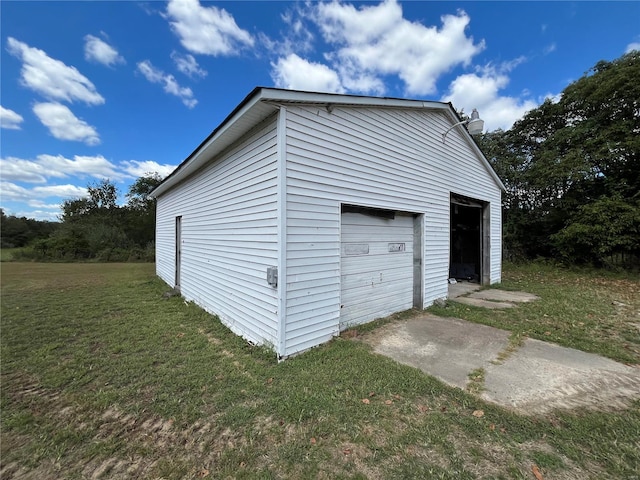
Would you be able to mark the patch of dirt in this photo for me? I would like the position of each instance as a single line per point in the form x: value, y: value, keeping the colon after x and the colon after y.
x: 490, y: 459
x: 210, y: 337
x: 200, y: 444
x: 361, y: 457
x: 374, y: 336
x: 45, y: 470
x: 429, y: 455
x: 570, y: 471
x: 29, y: 388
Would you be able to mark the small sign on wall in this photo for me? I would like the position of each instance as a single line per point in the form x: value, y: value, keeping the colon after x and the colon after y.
x: 356, y: 249
x: 397, y: 247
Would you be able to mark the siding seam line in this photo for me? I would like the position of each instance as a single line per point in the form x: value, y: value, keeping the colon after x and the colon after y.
x: 282, y: 229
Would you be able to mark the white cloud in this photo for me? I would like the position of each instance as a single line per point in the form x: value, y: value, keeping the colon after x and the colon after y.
x: 355, y: 79
x: 81, y: 165
x: 20, y: 170
x: 296, y: 73
x: 376, y: 40
x: 632, y: 46
x: 481, y: 90
x: 11, y: 191
x: 188, y: 65
x: 296, y: 38
x: 56, y: 166
x: 64, y: 125
x: 66, y: 191
x: 44, y: 216
x: 97, y: 50
x: 549, y: 49
x: 170, y: 85
x: 41, y: 204
x: 50, y: 216
x: 206, y: 30
x: 553, y: 97
x: 10, y: 119
x: 298, y: 33
x: 44, y: 167
x: 51, y: 77
x: 146, y: 8
x: 139, y: 169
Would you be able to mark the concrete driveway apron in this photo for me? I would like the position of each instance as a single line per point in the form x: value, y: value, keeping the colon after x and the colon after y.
x: 538, y: 377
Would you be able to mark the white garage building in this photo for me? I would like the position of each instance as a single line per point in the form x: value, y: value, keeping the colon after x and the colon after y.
x: 303, y: 214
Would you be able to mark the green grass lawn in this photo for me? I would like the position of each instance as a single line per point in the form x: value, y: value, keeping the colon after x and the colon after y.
x: 103, y: 378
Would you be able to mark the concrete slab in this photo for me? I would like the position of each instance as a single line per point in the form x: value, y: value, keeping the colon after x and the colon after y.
x: 462, y: 288
x: 477, y: 302
x: 537, y: 378
x: 542, y: 376
x: 504, y: 296
x: 447, y: 348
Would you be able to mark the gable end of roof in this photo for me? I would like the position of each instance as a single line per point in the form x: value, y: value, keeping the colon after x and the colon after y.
x: 262, y: 102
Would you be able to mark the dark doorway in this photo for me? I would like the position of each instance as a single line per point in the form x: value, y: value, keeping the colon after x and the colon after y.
x: 466, y: 256
x: 178, y: 252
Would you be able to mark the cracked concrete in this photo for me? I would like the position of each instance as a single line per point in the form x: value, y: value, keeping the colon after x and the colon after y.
x: 481, y: 302
x: 536, y: 378
x: 542, y: 376
x: 436, y: 346
x: 467, y: 293
x: 504, y: 296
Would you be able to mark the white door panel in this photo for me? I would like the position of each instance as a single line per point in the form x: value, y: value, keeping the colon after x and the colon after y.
x: 376, y: 267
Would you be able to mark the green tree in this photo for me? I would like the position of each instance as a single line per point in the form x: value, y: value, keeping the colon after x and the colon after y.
x: 75, y: 210
x: 142, y: 210
x: 138, y: 195
x: 565, y: 160
x: 103, y: 195
x: 602, y: 233
x: 21, y: 231
x: 92, y: 226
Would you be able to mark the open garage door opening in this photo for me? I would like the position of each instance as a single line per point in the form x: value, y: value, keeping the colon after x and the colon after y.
x: 469, y: 256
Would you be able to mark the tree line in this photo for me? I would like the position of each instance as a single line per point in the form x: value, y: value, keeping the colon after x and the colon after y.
x: 21, y: 231
x: 571, y: 168
x: 92, y: 227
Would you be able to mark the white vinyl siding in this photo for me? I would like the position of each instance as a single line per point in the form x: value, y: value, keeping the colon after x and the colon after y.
x: 495, y: 210
x: 229, y: 235
x: 313, y: 271
x: 392, y: 159
x: 376, y: 271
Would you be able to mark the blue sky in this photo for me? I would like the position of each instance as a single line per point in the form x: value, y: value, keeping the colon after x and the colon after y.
x: 93, y: 90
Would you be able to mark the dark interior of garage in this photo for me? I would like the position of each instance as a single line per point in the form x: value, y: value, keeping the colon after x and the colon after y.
x: 466, y: 240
